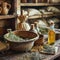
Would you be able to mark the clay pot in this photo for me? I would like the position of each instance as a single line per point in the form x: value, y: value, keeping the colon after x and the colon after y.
x: 5, y: 8
x: 22, y: 45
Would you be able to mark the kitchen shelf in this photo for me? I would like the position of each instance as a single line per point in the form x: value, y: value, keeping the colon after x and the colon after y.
x: 7, y: 16
x: 50, y: 15
x: 8, y: 20
x: 38, y: 4
x: 43, y: 5
x: 35, y: 17
x: 43, y: 16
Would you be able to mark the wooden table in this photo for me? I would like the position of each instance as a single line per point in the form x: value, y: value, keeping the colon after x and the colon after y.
x: 18, y: 56
x: 57, y: 54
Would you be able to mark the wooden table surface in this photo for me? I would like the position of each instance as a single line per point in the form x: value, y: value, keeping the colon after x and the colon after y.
x: 57, y: 54
x: 18, y: 56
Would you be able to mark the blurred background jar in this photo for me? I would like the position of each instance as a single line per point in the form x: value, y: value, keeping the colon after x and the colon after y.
x: 42, y: 1
x: 23, y: 1
x: 55, y: 1
x: 31, y: 1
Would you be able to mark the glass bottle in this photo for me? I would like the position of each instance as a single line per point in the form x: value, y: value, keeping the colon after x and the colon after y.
x: 40, y: 40
x: 10, y: 33
x: 51, y: 34
x: 37, y: 27
x: 33, y: 28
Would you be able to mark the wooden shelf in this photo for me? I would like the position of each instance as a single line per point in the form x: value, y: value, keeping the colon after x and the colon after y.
x: 43, y: 16
x: 7, y: 16
x: 34, y: 17
x: 38, y: 4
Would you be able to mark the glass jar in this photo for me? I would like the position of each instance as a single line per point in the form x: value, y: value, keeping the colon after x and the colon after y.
x: 42, y: 1
x: 23, y: 1
x: 31, y: 1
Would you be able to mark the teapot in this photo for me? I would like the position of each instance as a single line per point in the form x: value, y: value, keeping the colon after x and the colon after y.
x: 5, y: 8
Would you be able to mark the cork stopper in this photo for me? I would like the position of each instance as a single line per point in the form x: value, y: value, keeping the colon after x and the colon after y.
x: 51, y: 22
x: 52, y: 25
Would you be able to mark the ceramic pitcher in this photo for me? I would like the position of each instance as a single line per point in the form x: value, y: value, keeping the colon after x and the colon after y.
x: 5, y: 8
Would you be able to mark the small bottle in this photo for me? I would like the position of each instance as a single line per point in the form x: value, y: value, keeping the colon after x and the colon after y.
x: 36, y: 26
x: 51, y: 33
x: 10, y: 35
x: 40, y: 40
x: 33, y: 28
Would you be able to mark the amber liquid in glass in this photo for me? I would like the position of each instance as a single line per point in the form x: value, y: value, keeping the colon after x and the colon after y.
x: 51, y: 37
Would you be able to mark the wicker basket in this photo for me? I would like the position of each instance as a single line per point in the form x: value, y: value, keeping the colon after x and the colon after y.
x: 23, y: 46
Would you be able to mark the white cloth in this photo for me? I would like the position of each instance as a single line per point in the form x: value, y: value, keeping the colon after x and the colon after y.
x: 23, y: 26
